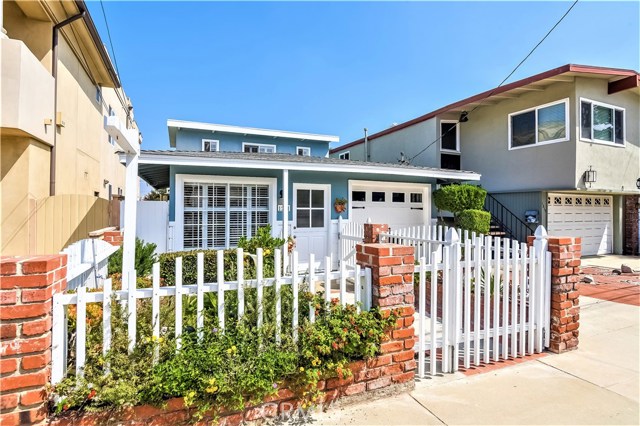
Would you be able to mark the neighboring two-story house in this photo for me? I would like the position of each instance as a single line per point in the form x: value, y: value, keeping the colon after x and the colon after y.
x: 561, y: 148
x: 227, y: 181
x: 60, y: 170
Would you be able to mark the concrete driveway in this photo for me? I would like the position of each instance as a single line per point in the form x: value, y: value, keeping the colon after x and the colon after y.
x: 596, y: 384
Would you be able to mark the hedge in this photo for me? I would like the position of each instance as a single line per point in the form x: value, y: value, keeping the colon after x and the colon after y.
x: 457, y: 198
x: 474, y: 220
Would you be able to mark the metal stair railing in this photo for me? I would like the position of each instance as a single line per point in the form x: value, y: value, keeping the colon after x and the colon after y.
x: 511, y: 224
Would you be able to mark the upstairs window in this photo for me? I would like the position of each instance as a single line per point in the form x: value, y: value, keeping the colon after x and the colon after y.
x: 304, y: 151
x: 601, y: 122
x: 344, y: 156
x: 540, y: 125
x: 258, y: 148
x: 210, y: 145
x: 111, y: 113
x: 449, y: 138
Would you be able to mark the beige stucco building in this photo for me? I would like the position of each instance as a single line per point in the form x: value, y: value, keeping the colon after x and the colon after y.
x: 59, y: 168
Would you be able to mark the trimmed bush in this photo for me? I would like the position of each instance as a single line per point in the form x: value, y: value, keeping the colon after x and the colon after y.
x: 474, y: 220
x: 145, y: 258
x: 456, y: 198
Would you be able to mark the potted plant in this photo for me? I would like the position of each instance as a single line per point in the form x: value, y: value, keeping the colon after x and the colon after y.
x: 340, y: 204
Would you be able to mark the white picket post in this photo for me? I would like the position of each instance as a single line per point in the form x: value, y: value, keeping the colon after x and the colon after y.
x: 178, y: 302
x: 221, y: 302
x: 81, y: 330
x: 343, y: 285
x: 523, y: 298
x: 456, y: 296
x: 467, y: 300
x: 357, y: 283
x: 434, y: 315
x: 240, y: 278
x: 540, y: 247
x: 58, y: 340
x: 505, y: 299
x: 200, y: 294
x: 155, y: 308
x: 312, y: 284
x: 446, y: 308
x: 277, y: 284
x: 477, y: 296
x: 547, y: 299
x: 259, y: 290
x: 422, y: 306
x: 515, y: 280
x: 532, y: 300
x: 131, y: 307
x: 496, y: 300
x: 327, y: 279
x: 368, y: 299
x: 487, y: 297
x: 106, y: 316
x: 294, y: 284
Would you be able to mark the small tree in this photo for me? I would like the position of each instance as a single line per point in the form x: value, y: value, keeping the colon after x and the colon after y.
x: 157, y: 195
x: 465, y: 202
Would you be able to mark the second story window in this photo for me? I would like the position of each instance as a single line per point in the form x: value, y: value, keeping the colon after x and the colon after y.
x: 111, y: 140
x: 99, y: 94
x: 601, y: 122
x: 210, y: 145
x: 258, y: 148
x: 540, y: 125
x: 304, y: 151
x: 344, y: 155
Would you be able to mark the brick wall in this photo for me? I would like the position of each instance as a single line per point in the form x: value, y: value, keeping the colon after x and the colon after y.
x: 631, y: 230
x: 115, y: 238
x: 27, y: 286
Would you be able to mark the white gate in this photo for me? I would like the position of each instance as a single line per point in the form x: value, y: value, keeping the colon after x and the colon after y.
x: 87, y: 262
x: 349, y: 234
x: 487, y: 299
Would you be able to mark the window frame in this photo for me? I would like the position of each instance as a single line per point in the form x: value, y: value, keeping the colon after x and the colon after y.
x: 605, y: 105
x: 567, y: 125
x: 305, y: 148
x: 211, y: 140
x: 346, y: 154
x: 259, y: 145
x: 182, y: 179
x: 450, y: 151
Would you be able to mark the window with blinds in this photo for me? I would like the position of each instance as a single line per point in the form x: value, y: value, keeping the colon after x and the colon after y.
x: 601, y: 122
x: 217, y: 215
x: 543, y: 124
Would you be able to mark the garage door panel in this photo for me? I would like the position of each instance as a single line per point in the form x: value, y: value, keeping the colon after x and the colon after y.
x: 585, y: 216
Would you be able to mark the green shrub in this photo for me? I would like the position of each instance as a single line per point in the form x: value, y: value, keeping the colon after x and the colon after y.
x: 145, y: 258
x: 456, y: 198
x: 474, y: 220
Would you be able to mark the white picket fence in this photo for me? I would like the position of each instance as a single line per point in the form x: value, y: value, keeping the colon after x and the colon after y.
x: 349, y: 234
x: 489, y: 299
x: 358, y: 278
x: 424, y: 238
x: 87, y: 262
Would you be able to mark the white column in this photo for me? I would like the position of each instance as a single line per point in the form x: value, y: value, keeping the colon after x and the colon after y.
x: 285, y: 215
x: 130, y: 206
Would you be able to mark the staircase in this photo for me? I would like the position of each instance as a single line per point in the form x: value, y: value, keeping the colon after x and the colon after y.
x: 504, y: 223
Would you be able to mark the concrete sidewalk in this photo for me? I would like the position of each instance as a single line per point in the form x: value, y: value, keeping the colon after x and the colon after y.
x: 596, y: 384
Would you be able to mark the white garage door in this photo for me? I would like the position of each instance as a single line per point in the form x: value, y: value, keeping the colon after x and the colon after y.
x: 397, y: 205
x: 586, y: 216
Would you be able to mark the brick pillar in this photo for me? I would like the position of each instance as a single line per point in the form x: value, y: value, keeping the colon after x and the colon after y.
x: 27, y: 286
x: 372, y: 232
x: 392, y: 268
x: 565, y: 301
x: 115, y: 238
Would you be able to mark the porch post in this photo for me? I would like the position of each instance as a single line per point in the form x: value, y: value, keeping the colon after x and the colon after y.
x: 285, y: 217
x: 130, y: 206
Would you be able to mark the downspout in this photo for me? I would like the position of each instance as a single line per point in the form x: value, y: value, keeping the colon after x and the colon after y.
x: 54, y: 73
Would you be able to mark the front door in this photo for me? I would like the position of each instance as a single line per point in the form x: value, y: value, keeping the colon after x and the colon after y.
x: 311, y: 222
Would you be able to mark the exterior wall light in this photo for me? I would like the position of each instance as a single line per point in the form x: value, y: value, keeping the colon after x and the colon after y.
x: 590, y: 176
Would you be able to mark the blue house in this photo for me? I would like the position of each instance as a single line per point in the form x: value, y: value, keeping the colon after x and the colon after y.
x: 227, y: 181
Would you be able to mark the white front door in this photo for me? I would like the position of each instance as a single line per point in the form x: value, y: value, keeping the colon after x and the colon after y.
x: 311, y: 221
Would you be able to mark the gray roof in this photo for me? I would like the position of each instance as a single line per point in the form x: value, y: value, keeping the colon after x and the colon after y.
x: 154, y: 164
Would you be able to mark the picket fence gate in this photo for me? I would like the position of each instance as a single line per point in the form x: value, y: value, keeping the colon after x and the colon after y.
x: 480, y: 299
x: 358, y: 277
x: 349, y: 234
x: 87, y: 262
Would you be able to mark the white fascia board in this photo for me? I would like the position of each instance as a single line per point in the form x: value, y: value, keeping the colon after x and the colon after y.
x: 250, y: 131
x: 127, y: 139
x: 172, y: 160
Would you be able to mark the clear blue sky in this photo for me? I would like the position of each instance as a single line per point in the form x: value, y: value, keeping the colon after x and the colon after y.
x: 338, y: 67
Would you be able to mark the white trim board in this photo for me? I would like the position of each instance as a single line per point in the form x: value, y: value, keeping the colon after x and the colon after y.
x: 225, y: 128
x: 176, y: 160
